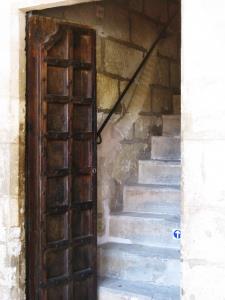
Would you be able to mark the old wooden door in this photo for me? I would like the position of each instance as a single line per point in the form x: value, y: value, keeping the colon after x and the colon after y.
x: 61, y: 161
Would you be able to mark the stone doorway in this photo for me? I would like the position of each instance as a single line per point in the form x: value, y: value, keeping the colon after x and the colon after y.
x: 125, y: 31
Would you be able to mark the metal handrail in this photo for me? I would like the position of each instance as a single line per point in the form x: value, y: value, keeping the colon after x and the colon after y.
x: 160, y: 36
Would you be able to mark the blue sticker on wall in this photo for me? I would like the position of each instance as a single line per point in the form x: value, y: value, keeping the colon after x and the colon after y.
x: 177, y: 234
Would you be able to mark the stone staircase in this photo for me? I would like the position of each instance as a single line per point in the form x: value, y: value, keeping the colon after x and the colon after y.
x: 142, y: 259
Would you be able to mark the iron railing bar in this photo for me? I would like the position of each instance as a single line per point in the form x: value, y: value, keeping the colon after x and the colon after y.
x: 134, y: 77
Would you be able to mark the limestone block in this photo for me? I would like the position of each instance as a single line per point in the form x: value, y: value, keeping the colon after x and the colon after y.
x: 55, y: 12
x: 98, y: 53
x: 142, y: 127
x: 145, y: 229
x: 148, y: 264
x: 4, y: 215
x: 130, y: 100
x: 136, y: 5
x: 206, y: 234
x: 118, y: 289
x: 171, y: 125
x: 153, y: 199
x: 126, y: 162
x: 82, y: 14
x: 107, y: 91
x: 175, y: 75
x: 156, y: 9
x: 4, y: 72
x: 100, y: 224
x: 162, y: 72
x: 173, y: 7
x: 116, y: 22
x: 165, y: 148
x: 120, y: 59
x: 198, y: 273
x: 9, y: 120
x: 176, y: 104
x: 14, y: 169
x: 161, y: 100
x: 169, y: 46
x: 158, y: 172
x: 4, y: 169
x: 143, y: 31
x: 146, y: 125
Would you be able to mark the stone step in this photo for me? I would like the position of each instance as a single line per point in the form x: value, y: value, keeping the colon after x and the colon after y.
x: 165, y: 148
x: 176, y: 104
x: 152, y: 199
x: 159, y: 172
x: 144, y: 228
x: 147, y: 264
x: 117, y: 289
x: 171, y: 125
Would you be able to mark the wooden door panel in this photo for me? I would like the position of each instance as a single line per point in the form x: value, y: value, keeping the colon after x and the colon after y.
x: 61, y: 155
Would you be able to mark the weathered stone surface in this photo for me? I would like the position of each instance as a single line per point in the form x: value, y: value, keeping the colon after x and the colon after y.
x: 107, y: 91
x: 169, y: 46
x: 157, y: 172
x: 161, y: 100
x: 85, y: 14
x: 147, y: 229
x: 176, y: 104
x: 98, y: 53
x: 14, y: 169
x: 117, y: 289
x: 116, y: 22
x: 55, y: 12
x: 118, y: 59
x: 148, y: 264
x: 171, y: 125
x: 156, y: 9
x: 175, y: 75
x: 126, y: 163
x: 165, y: 148
x: 162, y: 72
x: 136, y: 5
x: 131, y: 99
x: 151, y: 199
x: 142, y: 127
x: 5, y: 169
x: 146, y: 125
x: 143, y: 31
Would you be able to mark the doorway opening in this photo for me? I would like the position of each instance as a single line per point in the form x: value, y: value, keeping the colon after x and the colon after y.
x: 138, y: 159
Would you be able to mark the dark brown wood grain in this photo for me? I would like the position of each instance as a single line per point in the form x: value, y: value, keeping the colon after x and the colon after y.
x: 61, y: 161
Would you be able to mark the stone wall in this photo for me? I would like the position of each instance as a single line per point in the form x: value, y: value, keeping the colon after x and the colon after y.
x: 203, y: 146
x: 125, y: 31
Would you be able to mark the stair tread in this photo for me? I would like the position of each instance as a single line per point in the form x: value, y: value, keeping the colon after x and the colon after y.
x: 172, y: 116
x: 142, y: 250
x: 161, y: 162
x: 149, y: 291
x: 147, y: 216
x: 153, y: 186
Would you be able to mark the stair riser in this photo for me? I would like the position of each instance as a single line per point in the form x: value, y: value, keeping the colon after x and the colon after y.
x: 153, y: 232
x: 165, y: 148
x: 145, y: 269
x: 159, y: 174
x: 143, y: 199
x: 171, y: 125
